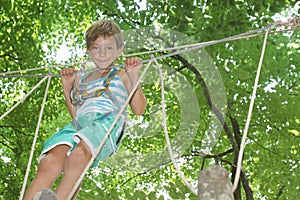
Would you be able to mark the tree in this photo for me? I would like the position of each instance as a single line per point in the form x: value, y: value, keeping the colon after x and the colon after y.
x: 271, y: 158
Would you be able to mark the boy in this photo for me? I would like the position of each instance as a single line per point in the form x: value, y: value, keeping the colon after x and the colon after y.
x: 93, y: 100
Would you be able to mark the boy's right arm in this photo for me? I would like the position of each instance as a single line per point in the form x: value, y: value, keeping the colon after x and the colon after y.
x: 67, y: 79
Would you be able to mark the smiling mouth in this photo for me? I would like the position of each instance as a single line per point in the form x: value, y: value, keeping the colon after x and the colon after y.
x: 102, y: 60
x: 103, y: 63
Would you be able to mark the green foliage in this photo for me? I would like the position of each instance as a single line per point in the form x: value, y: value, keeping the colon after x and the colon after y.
x: 32, y: 31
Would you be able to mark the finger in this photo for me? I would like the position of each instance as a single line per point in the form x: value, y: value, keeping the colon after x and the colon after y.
x: 128, y: 61
x: 62, y: 72
x: 133, y: 61
x: 67, y: 71
x: 71, y: 71
x: 138, y: 61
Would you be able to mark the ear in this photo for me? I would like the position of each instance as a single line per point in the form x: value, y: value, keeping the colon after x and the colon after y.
x: 87, y: 51
x: 120, y: 50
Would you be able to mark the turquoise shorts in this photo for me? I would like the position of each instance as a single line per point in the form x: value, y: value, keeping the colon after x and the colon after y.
x: 90, y: 128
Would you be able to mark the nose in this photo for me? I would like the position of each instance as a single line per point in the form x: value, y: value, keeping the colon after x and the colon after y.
x: 102, y: 52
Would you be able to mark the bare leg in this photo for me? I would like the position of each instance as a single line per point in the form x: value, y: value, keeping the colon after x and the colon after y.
x: 49, y: 169
x: 74, y: 166
x: 77, y: 191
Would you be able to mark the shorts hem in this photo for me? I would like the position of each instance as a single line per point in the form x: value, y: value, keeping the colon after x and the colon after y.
x: 79, y: 136
x: 45, y: 151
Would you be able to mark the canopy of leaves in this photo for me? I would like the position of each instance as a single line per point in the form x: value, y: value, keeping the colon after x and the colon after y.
x: 32, y: 32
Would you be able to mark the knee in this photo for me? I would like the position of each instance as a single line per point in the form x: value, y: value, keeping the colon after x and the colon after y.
x: 80, y: 156
x: 50, y: 164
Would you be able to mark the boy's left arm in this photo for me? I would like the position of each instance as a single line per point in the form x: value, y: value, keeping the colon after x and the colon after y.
x: 138, y: 100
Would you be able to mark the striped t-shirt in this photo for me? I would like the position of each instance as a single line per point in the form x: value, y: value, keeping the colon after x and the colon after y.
x: 100, y: 96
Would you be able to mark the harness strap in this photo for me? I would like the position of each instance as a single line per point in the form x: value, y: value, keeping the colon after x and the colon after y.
x: 79, y: 96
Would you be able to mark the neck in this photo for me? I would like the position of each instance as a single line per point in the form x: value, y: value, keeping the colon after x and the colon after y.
x: 98, y: 74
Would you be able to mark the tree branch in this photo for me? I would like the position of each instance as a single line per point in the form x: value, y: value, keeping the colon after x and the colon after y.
x: 209, y: 101
x: 193, y: 153
x: 246, y: 186
x: 220, y: 155
x: 280, y: 192
x: 243, y: 178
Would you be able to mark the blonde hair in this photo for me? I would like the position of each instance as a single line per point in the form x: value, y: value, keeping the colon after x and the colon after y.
x: 105, y: 28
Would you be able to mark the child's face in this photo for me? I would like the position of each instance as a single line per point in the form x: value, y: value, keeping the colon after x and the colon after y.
x: 104, y: 51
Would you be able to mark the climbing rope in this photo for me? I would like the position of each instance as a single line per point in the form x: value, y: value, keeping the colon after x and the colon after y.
x: 37, y: 68
x: 34, y: 140
x: 169, y: 146
x: 293, y: 23
x: 253, y: 96
x: 20, y: 101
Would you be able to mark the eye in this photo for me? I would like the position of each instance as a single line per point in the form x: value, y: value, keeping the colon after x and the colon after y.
x: 95, y: 48
x: 110, y: 48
